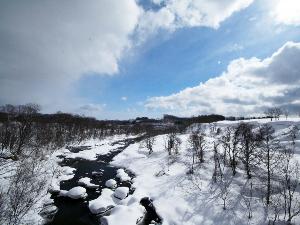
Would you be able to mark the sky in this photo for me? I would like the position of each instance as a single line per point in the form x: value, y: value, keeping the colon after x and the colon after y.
x: 119, y: 59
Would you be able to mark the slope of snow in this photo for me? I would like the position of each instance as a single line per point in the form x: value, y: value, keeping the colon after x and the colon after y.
x: 181, y: 198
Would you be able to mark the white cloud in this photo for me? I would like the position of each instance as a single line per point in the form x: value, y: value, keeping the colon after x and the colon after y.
x: 47, y: 45
x: 287, y: 12
x: 248, y: 86
x: 175, y: 14
x: 124, y: 98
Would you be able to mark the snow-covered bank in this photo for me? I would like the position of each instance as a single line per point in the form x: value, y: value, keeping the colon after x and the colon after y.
x: 181, y: 198
x: 52, y: 174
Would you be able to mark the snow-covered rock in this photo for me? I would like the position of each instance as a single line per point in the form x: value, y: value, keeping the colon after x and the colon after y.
x: 74, y: 193
x: 86, y: 181
x: 122, y: 175
x: 67, y: 170
x: 111, y: 183
x: 67, y: 173
x: 103, y: 203
x: 123, y: 213
x: 121, y: 192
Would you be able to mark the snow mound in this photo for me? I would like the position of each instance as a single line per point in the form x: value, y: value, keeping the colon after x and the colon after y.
x: 103, y: 203
x: 111, y: 183
x: 74, y: 193
x: 66, y: 170
x: 122, y: 175
x: 86, y: 181
x: 121, y: 192
x: 66, y: 173
x: 123, y: 213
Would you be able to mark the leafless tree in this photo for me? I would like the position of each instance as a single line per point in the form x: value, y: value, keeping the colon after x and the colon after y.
x: 291, y: 175
x: 24, y: 191
x: 197, y: 144
x: 274, y: 112
x: 217, y: 163
x: 229, y: 141
x: 269, y: 155
x: 247, y: 146
x: 286, y: 113
x: 148, y: 143
x: 172, y: 144
x: 274, y: 209
x: 224, y: 184
x: 269, y: 113
x: 247, y: 197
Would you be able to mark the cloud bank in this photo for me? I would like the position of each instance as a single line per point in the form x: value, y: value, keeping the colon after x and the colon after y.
x: 46, y: 46
x: 246, y: 88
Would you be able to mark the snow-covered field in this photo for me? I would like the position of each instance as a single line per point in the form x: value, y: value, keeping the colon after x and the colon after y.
x: 179, y: 196
x: 189, y: 199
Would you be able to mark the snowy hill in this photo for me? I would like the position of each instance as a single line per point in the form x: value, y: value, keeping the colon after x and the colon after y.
x: 182, y: 197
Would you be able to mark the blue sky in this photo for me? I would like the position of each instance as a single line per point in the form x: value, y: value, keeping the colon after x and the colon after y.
x: 170, y: 62
x: 164, y: 63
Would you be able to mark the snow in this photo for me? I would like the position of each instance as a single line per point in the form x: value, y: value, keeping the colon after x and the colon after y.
x: 122, y: 175
x: 179, y: 198
x: 123, y: 213
x: 66, y: 173
x: 121, y: 192
x: 86, y: 181
x: 104, y: 202
x: 74, y: 193
x: 111, y: 183
x: 188, y: 199
x: 97, y: 147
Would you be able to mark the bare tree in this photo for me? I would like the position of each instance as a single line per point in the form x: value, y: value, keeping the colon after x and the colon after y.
x: 269, y: 155
x: 277, y: 112
x: 274, y: 112
x: 247, y: 197
x: 224, y: 185
x: 24, y: 191
x: 269, y: 113
x: 148, y: 143
x: 286, y: 113
x: 229, y: 141
x: 291, y: 175
x: 248, y: 146
x: 217, y: 165
x: 172, y: 144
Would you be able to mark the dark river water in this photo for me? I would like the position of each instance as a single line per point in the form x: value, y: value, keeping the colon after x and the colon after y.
x: 76, y: 212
